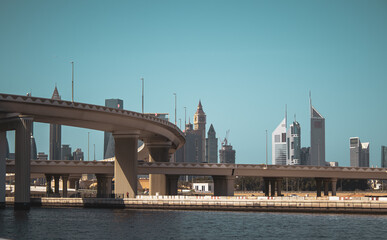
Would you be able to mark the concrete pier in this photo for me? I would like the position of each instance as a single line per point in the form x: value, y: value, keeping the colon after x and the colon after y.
x: 223, y: 185
x: 3, y: 152
x: 125, y: 167
x: 22, y: 162
x: 104, y: 185
x: 159, y: 152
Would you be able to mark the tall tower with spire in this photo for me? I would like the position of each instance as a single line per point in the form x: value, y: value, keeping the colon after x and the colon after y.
x: 211, y: 146
x: 200, y: 126
x: 317, y: 137
x: 55, y: 134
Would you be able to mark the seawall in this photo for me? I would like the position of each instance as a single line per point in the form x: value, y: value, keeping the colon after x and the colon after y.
x: 261, y: 204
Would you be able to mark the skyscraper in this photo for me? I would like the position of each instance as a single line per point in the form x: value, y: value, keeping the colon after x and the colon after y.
x: 226, y: 153
x: 278, y: 144
x: 359, y: 153
x: 66, y: 152
x: 384, y: 157
x: 194, y: 149
x: 78, y: 155
x: 293, y: 156
x: 200, y: 127
x: 55, y: 134
x: 317, y: 138
x: 109, y: 149
x: 305, y: 156
x: 211, y: 146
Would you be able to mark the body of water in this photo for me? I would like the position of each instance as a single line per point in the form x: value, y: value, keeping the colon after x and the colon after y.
x: 87, y: 223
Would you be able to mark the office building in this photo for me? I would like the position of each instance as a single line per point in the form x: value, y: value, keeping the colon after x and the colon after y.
x: 317, y: 138
x: 211, y: 146
x: 384, y: 157
x: 194, y: 149
x: 34, y: 154
x: 55, y: 134
x: 293, y: 144
x: 66, y: 152
x: 78, y: 155
x: 359, y: 153
x: 279, y: 144
x: 304, y: 156
x: 42, y: 156
x: 200, y: 128
x: 226, y: 154
x: 108, y: 149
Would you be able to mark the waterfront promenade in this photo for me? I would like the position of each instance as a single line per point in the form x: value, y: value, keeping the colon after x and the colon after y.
x: 331, y: 204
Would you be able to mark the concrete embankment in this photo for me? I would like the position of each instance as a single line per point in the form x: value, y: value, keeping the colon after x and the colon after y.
x: 370, y: 205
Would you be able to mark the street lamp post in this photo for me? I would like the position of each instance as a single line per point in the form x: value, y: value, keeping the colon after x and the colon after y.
x: 72, y: 82
x: 142, y: 79
x: 185, y: 116
x: 266, y: 148
x: 88, y: 141
x: 175, y: 108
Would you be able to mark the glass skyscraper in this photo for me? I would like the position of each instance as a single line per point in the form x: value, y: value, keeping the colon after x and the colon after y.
x: 317, y: 138
x: 293, y: 144
x: 108, y: 146
x: 279, y: 144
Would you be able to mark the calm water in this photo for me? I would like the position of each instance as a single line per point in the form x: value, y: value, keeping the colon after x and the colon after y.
x: 79, y: 223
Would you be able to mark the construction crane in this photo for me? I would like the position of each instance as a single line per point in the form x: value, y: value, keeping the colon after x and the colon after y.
x: 225, y: 141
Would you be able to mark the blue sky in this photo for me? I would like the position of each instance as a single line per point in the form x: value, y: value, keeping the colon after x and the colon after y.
x: 244, y: 59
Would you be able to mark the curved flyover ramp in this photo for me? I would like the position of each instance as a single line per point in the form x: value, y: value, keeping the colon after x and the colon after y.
x: 161, y: 137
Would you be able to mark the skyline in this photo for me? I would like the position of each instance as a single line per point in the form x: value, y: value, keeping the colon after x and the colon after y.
x: 245, y: 61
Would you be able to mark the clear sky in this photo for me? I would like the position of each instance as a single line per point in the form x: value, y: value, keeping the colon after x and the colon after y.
x: 244, y: 59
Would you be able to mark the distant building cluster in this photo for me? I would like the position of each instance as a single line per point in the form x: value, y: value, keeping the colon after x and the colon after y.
x: 286, y: 142
x: 359, y: 153
x: 198, y: 148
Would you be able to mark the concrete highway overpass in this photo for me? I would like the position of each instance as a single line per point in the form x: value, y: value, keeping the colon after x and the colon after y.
x: 223, y: 174
x: 161, y: 138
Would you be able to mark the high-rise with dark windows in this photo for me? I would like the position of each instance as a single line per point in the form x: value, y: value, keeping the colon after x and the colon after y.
x: 359, y: 153
x: 211, y: 146
x: 55, y: 134
x: 108, y: 146
x: 317, y: 138
x: 293, y: 145
x: 384, y: 157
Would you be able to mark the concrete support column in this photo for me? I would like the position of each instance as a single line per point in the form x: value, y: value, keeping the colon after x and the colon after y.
x: 3, y: 155
x: 267, y: 183
x: 172, y: 184
x: 224, y: 185
x: 158, y: 152
x: 56, y: 185
x: 22, y: 163
x: 65, y: 179
x: 48, y: 184
x: 334, y: 184
x: 326, y: 187
x: 279, y: 187
x: 272, y: 185
x: 125, y: 166
x: 318, y: 186
x: 104, y: 185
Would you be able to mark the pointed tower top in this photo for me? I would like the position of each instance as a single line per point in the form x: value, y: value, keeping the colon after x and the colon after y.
x: 211, y: 130
x: 200, y: 108
x: 316, y: 114
x: 55, y: 94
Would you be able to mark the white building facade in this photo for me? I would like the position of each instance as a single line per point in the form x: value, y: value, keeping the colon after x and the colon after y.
x: 278, y: 144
